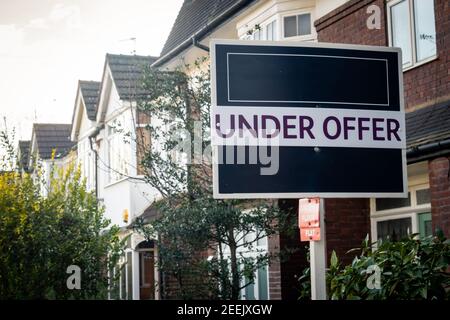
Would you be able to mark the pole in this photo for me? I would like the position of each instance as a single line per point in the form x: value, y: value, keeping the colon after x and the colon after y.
x: 318, y: 260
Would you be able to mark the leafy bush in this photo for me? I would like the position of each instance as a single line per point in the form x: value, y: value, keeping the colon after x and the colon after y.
x: 41, y: 236
x: 410, y: 269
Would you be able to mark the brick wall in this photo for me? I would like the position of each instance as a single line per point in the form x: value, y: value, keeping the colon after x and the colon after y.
x: 274, y: 269
x: 440, y: 194
x: 430, y: 83
x: 424, y: 85
x: 347, y: 24
x: 347, y: 222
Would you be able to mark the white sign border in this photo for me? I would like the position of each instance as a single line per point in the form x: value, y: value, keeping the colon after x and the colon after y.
x: 298, y: 195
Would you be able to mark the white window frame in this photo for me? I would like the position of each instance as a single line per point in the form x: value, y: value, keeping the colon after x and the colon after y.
x: 258, y: 250
x: 310, y: 37
x: 414, y: 63
x: 266, y: 23
x: 116, y: 175
x: 263, y: 30
x: 412, y: 211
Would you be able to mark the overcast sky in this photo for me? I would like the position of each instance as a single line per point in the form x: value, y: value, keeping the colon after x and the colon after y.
x: 46, y: 46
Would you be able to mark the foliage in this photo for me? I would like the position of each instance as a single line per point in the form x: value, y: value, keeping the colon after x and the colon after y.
x: 410, y: 269
x: 200, y: 236
x: 40, y: 236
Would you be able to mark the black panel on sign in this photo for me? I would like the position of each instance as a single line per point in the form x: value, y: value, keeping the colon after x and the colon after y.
x: 279, y: 73
x: 312, y: 79
x: 302, y: 169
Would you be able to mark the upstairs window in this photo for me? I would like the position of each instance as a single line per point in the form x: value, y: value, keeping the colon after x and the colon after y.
x: 271, y: 31
x: 412, y: 28
x: 263, y: 32
x: 297, y: 25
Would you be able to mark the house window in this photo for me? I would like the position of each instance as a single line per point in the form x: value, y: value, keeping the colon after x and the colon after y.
x: 258, y: 288
x: 119, y: 150
x: 271, y: 31
x: 394, y: 219
x: 86, y: 160
x: 412, y: 28
x: 121, y: 279
x: 394, y: 229
x: 257, y: 35
x: 297, y: 25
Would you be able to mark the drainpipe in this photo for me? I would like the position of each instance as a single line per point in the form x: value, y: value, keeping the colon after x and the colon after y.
x: 162, y: 284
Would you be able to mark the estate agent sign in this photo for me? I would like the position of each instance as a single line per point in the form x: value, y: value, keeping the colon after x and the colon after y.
x: 296, y: 120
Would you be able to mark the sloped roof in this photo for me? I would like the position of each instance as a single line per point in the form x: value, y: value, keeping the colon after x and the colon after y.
x: 24, y: 153
x: 51, y: 136
x: 197, y: 15
x: 127, y: 72
x: 427, y: 125
x: 90, y: 91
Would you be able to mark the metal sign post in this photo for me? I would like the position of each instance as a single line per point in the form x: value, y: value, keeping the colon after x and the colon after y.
x: 317, y: 251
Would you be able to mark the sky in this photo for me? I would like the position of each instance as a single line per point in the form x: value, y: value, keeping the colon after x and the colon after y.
x: 46, y: 46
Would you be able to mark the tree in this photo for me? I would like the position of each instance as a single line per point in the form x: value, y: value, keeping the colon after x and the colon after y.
x: 191, y: 224
x: 40, y: 237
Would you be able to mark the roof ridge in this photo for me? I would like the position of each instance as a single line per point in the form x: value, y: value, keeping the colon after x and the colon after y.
x: 130, y: 55
x: 88, y: 81
x: 50, y: 123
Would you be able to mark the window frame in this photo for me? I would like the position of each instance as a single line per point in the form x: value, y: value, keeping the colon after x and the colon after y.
x: 309, y: 37
x: 265, y: 25
x: 412, y: 33
x: 123, y: 150
x: 413, y: 211
x: 263, y: 30
x: 245, y: 252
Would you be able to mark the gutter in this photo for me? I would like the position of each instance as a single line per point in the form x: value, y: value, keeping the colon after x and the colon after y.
x: 200, y: 34
x: 426, y: 151
x: 197, y: 44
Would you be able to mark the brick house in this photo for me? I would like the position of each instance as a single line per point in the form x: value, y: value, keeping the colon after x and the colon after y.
x: 422, y: 30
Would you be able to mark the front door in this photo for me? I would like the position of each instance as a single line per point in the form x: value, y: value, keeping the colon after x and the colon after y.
x: 146, y: 275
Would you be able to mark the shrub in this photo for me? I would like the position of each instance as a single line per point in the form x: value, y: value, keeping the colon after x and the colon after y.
x: 410, y: 269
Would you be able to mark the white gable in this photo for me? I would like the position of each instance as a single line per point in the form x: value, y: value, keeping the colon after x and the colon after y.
x: 81, y: 124
x: 109, y: 101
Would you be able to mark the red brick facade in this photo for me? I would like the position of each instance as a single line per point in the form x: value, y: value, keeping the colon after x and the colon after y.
x: 439, y: 170
x: 424, y: 85
x: 347, y: 220
x: 347, y: 223
x: 430, y: 83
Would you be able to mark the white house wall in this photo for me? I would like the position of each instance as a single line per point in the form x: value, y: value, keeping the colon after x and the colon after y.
x: 326, y: 6
x: 85, y: 156
x: 124, y: 193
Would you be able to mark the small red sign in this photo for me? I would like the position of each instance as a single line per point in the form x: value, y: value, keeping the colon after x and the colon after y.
x: 309, y: 234
x: 308, y: 213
